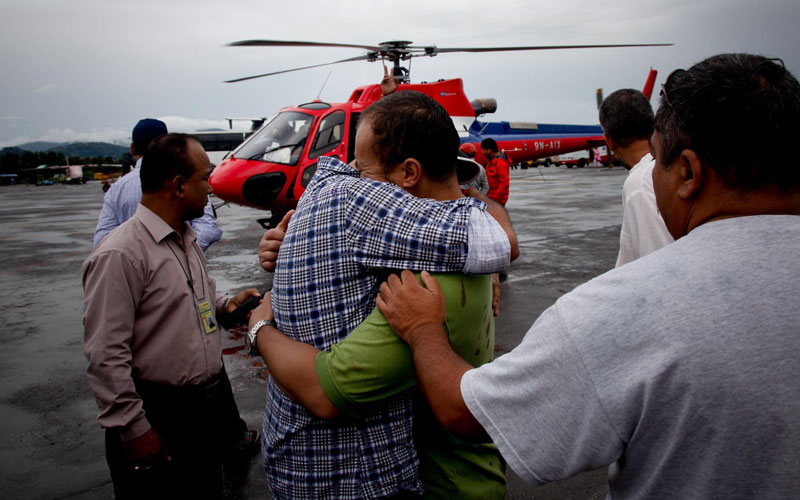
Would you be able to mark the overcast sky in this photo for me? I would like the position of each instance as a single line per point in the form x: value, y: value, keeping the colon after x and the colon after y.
x: 87, y: 70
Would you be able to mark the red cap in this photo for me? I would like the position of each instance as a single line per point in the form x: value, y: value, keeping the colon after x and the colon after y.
x: 469, y: 149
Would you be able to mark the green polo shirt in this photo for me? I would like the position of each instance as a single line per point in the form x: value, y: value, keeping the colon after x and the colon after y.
x: 372, y: 364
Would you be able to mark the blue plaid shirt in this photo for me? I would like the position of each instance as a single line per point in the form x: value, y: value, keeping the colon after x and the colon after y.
x: 345, y: 231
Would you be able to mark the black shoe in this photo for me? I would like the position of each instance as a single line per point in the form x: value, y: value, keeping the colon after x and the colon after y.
x: 249, y: 444
x: 236, y: 461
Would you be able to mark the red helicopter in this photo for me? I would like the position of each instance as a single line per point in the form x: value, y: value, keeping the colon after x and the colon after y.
x: 271, y: 168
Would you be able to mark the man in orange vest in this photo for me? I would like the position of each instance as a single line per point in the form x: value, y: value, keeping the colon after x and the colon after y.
x: 496, y: 171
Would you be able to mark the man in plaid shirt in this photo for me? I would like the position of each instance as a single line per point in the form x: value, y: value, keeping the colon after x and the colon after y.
x: 350, y: 226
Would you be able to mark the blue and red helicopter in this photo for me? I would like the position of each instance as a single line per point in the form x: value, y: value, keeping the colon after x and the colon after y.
x: 271, y: 169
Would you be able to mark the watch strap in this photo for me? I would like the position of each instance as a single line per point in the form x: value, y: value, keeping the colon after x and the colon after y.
x: 250, y: 338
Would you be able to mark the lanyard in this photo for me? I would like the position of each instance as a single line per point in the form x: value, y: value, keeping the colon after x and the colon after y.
x: 187, y: 273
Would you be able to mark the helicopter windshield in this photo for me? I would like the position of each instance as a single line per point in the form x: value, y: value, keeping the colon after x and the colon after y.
x: 281, y: 140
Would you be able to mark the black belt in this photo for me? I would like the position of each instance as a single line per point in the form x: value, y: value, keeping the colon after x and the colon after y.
x: 202, y: 391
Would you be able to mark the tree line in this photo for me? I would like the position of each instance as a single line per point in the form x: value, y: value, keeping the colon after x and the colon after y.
x: 12, y: 160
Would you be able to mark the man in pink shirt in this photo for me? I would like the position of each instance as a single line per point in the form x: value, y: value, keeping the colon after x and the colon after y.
x: 152, y: 337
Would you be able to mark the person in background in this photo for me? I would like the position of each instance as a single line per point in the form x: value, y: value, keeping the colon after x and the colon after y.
x: 627, y: 121
x: 496, y: 171
x: 389, y: 83
x: 479, y: 181
x: 122, y: 198
x: 472, y: 176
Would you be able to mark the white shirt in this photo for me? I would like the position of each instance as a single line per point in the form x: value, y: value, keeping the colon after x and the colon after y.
x: 643, y: 229
x: 681, y: 367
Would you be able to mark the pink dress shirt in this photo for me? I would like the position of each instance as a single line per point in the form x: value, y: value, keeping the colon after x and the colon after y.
x: 141, y: 317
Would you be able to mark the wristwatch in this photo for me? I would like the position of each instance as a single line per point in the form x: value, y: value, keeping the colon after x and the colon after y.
x: 250, y: 338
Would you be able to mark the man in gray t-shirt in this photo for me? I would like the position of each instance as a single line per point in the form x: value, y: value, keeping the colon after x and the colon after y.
x: 679, y: 370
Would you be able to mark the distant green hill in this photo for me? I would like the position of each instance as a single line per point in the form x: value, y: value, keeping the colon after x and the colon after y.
x: 89, y: 149
x: 12, y: 150
x: 39, y: 146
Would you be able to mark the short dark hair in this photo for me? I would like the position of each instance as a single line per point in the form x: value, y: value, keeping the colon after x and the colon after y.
x: 410, y: 124
x: 490, y: 144
x: 166, y: 157
x: 626, y: 116
x: 733, y: 110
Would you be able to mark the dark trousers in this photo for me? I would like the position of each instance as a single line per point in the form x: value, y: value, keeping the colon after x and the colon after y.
x: 196, y: 424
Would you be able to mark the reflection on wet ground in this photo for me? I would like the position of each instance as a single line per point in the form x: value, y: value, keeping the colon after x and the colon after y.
x: 50, y: 445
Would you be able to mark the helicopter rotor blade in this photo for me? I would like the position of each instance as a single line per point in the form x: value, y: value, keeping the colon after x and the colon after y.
x: 403, y: 50
x: 443, y: 50
x: 357, y: 58
x: 295, y: 43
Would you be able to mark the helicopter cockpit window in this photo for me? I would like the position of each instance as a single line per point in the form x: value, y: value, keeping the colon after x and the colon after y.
x: 279, y: 141
x: 329, y: 134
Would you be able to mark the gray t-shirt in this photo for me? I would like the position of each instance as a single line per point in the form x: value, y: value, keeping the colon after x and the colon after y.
x: 682, y: 369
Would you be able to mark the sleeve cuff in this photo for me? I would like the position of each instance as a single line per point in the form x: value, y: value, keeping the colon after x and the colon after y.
x: 489, y: 250
x: 221, y: 304
x: 135, y: 429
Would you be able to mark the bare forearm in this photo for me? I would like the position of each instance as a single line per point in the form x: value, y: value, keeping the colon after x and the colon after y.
x: 416, y: 315
x: 291, y: 365
x: 439, y: 370
x: 500, y: 214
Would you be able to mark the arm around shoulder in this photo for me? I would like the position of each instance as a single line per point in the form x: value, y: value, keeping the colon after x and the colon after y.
x: 499, y: 214
x: 389, y: 228
x: 416, y: 315
x: 440, y: 371
x: 291, y: 364
x: 384, y: 367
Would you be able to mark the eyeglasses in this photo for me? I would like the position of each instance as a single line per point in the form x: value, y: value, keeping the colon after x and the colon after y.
x: 669, y: 82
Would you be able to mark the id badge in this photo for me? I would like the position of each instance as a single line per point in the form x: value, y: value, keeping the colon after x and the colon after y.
x: 207, y: 315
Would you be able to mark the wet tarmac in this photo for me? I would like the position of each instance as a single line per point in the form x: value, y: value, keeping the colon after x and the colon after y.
x: 50, y: 445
